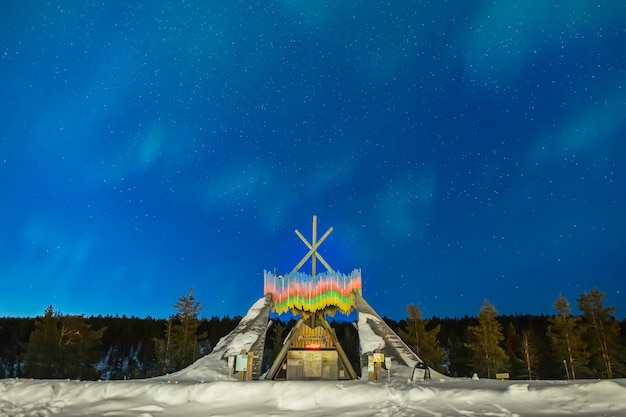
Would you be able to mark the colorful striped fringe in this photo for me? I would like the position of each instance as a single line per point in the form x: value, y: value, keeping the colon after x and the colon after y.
x: 299, y: 292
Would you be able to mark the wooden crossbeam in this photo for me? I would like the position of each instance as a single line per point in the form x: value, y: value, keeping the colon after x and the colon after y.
x: 313, y: 249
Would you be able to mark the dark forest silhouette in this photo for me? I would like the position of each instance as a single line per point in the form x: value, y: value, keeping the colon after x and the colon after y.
x: 529, y: 346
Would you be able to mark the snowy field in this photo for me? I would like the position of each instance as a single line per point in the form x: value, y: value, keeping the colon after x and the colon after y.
x: 162, y: 397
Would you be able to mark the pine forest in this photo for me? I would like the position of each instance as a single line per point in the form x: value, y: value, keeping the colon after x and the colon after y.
x: 591, y: 344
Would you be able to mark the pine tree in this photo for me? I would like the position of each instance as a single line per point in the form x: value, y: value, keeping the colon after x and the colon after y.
x: 186, y: 335
x: 531, y: 352
x: 424, y: 342
x: 163, y: 348
x: 181, y: 345
x: 485, y: 339
x: 459, y: 356
x: 513, y: 343
x: 277, y: 340
x: 565, y: 332
x: 350, y: 344
x: 524, y: 348
x: 42, y: 356
x: 62, y: 347
x: 603, y: 330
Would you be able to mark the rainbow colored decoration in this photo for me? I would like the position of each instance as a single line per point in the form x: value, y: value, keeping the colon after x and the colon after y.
x: 302, y: 293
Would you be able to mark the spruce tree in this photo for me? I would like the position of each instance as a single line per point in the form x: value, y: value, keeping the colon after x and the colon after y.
x: 602, y: 332
x: 565, y: 332
x: 62, y: 347
x: 186, y: 334
x: 181, y: 345
x: 424, y: 342
x: 485, y: 339
x: 42, y: 358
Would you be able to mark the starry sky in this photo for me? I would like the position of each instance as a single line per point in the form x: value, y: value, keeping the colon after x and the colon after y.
x: 461, y: 151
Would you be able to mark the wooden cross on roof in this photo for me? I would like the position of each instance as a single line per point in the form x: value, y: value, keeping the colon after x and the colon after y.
x: 313, y: 249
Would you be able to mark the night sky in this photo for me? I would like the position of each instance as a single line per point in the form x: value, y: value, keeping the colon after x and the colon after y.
x: 461, y: 151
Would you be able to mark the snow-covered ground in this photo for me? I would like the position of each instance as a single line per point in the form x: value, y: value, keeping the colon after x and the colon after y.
x: 145, y: 398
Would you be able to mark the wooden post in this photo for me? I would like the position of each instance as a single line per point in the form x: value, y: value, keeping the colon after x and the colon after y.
x: 379, y: 370
x: 370, y: 367
x: 379, y: 358
x: 314, y: 244
x: 249, y: 368
x: 313, y: 249
x: 375, y: 365
x: 231, y: 366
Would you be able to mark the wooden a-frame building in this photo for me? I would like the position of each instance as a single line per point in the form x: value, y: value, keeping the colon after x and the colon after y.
x: 312, y: 352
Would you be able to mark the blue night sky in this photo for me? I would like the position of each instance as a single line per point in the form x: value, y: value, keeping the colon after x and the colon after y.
x: 461, y: 151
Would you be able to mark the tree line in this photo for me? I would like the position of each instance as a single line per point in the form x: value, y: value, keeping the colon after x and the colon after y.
x: 106, y: 347
x: 561, y: 346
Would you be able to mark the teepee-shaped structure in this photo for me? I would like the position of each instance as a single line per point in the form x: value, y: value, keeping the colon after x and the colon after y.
x: 312, y: 350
